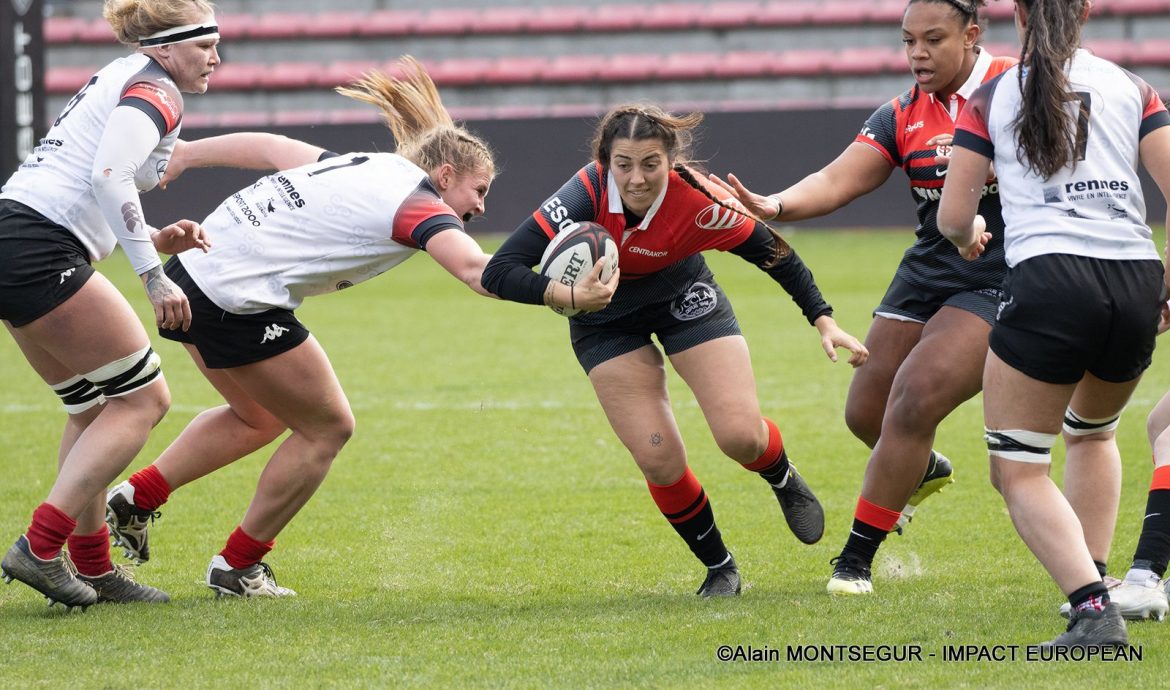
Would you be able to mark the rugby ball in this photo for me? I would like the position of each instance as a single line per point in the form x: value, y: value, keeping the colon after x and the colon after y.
x: 571, y: 255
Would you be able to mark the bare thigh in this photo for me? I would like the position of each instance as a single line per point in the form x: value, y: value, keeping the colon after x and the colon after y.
x: 632, y: 392
x: 92, y: 328
x: 719, y: 373
x: 297, y: 387
x: 889, y: 342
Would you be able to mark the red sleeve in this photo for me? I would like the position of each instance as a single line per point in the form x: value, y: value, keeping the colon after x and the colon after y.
x: 1154, y: 115
x: 157, y: 101
x: 420, y: 216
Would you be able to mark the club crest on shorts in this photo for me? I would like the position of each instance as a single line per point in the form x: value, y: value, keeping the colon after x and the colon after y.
x: 699, y: 300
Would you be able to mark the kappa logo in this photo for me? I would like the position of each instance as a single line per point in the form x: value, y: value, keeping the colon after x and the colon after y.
x: 273, y: 332
x: 717, y: 217
x: 66, y: 274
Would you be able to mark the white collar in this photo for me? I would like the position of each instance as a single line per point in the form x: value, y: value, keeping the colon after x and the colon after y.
x: 615, y: 200
x: 978, y: 72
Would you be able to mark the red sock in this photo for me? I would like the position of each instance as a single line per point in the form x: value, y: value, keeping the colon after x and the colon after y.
x: 681, y: 500
x: 242, y: 550
x: 91, y: 552
x: 773, y: 455
x: 875, y: 515
x: 684, y: 504
x: 1161, y: 480
x: 150, y: 488
x: 48, y: 531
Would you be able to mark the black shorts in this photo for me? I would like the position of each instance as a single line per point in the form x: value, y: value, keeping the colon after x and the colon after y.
x: 699, y: 314
x: 1063, y: 315
x: 227, y: 340
x: 42, y: 264
x: 906, y: 301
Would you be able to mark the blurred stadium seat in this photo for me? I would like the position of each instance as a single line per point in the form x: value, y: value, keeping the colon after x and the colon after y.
x: 558, y: 59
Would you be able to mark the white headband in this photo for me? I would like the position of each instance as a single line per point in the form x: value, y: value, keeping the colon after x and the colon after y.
x: 181, y: 34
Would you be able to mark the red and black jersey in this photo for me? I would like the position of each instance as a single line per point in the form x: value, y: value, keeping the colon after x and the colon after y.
x: 899, y: 131
x: 683, y: 221
x: 660, y: 253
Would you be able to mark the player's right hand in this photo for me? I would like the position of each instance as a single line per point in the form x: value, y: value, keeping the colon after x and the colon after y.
x: 593, y: 295
x: 762, y: 207
x: 171, y: 309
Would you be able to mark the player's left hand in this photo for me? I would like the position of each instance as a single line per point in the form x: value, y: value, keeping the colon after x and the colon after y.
x: 1164, y: 318
x: 942, y: 148
x: 181, y: 236
x: 975, y: 250
x: 833, y: 337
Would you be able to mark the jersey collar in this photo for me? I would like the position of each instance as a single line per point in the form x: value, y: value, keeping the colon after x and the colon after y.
x: 978, y: 73
x: 615, y: 200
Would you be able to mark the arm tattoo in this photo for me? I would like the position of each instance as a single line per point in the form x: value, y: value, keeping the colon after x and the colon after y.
x: 656, y: 439
x: 157, y: 285
x: 548, y: 293
x: 131, y: 215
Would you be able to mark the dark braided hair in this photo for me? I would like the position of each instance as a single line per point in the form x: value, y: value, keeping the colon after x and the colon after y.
x: 691, y: 177
x: 968, y: 10
x: 1046, y: 129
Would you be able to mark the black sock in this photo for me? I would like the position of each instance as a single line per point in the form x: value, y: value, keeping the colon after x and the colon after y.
x: 776, y: 473
x: 1154, y: 543
x: 864, y: 540
x: 1102, y: 569
x: 1089, y: 591
x: 702, y: 535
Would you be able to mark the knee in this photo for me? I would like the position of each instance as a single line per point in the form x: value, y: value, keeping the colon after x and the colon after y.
x: 336, y: 431
x: 153, y: 402
x: 161, y: 404
x: 744, y: 442
x: 914, y: 404
x: 863, y: 424
x: 1156, y: 429
x: 661, y: 467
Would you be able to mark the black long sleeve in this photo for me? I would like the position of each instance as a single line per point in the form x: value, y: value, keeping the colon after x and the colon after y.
x: 509, y: 273
x: 762, y: 248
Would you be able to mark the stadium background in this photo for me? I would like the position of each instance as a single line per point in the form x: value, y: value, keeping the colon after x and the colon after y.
x: 786, y: 84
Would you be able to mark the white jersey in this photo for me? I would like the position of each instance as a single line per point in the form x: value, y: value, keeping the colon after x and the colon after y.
x: 316, y: 229
x: 55, y: 178
x: 1095, y: 208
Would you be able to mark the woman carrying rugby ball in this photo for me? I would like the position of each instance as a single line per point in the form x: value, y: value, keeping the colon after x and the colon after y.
x: 663, y: 215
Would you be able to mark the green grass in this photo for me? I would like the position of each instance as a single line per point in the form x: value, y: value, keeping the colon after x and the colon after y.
x: 485, y: 528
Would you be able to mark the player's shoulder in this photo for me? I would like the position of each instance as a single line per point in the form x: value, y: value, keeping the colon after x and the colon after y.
x: 152, y: 83
x: 999, y: 65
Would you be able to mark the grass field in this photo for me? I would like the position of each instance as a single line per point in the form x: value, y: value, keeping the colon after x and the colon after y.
x: 485, y: 528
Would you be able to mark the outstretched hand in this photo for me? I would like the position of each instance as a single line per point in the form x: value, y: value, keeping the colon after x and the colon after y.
x: 181, y: 236
x: 833, y: 337
x: 762, y: 207
x: 591, y: 294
